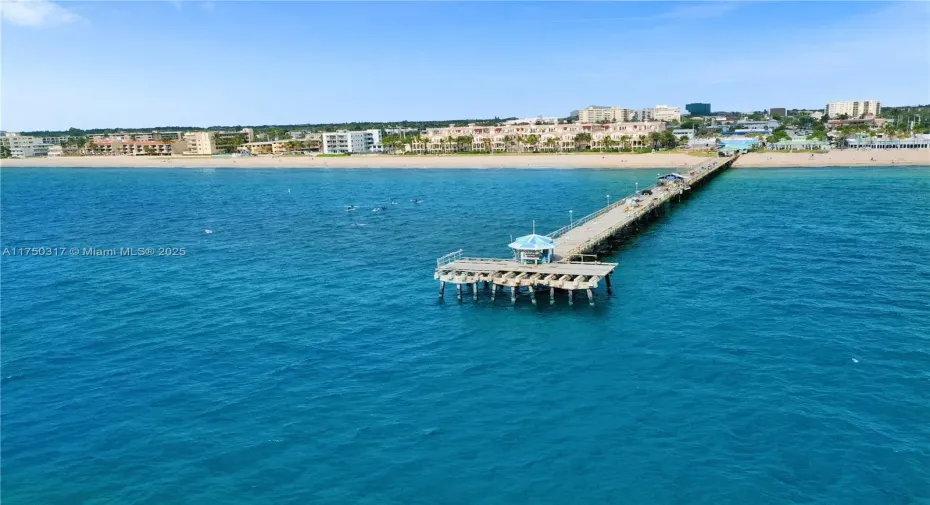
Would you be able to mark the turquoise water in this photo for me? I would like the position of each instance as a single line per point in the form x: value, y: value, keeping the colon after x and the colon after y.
x: 767, y: 342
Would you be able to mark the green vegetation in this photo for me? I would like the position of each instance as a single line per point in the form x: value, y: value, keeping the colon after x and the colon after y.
x: 777, y: 135
x: 5, y: 152
x: 229, y: 143
x: 902, y: 118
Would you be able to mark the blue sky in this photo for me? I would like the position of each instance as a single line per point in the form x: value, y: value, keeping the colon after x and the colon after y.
x: 138, y: 64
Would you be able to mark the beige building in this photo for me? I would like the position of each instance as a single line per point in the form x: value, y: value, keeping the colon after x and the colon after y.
x: 135, y: 147
x: 666, y: 113
x: 531, y: 138
x: 853, y: 109
x: 595, y: 114
x: 199, y: 143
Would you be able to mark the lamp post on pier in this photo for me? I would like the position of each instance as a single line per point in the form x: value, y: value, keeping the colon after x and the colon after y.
x: 637, y: 187
x: 571, y: 220
x: 608, y: 199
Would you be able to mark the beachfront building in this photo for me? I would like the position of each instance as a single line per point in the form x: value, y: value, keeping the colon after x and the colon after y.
x: 344, y: 142
x: 597, y: 114
x: 532, y: 138
x: 135, y: 147
x: 134, y: 136
x: 853, y: 109
x: 702, y: 143
x: 54, y: 141
x: 56, y: 151
x: 24, y: 146
x: 916, y: 142
x: 666, y: 113
x: 698, y: 109
x: 799, y: 143
x: 203, y: 143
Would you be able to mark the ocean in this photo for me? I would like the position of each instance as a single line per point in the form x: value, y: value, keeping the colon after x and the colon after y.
x: 767, y: 341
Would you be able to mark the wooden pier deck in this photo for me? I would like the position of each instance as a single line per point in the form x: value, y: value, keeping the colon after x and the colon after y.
x: 574, y: 267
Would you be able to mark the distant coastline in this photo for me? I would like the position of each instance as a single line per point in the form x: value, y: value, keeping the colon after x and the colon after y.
x: 847, y: 157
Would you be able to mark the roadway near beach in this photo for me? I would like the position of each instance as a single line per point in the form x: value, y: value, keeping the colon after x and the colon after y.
x: 586, y: 160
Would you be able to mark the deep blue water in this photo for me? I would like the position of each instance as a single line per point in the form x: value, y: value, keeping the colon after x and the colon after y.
x: 767, y: 342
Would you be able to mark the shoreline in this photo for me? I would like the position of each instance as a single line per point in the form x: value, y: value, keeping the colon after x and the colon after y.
x: 672, y: 160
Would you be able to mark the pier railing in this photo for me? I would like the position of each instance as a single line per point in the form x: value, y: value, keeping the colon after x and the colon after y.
x: 445, y: 259
x: 590, y: 217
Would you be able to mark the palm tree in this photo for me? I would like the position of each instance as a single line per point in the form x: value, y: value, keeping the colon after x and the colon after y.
x: 486, y: 141
x: 584, y: 140
x: 532, y: 140
x: 607, y: 143
x: 668, y: 139
x: 654, y: 138
x: 625, y: 141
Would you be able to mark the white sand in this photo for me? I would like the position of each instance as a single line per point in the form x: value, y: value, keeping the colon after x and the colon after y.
x: 593, y: 160
x: 843, y: 158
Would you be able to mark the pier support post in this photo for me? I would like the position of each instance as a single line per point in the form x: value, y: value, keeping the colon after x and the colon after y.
x: 442, y: 288
x: 571, y: 296
x: 458, y: 288
x: 607, y: 280
x: 590, y: 297
x: 533, y: 294
x: 513, y: 294
x: 474, y: 291
x: 493, y: 291
x: 485, y: 285
x: 551, y: 295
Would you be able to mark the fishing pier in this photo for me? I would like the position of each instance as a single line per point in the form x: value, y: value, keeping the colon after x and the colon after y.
x: 567, y: 259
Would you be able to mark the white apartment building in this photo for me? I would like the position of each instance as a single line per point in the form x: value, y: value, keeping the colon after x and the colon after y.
x: 643, y: 114
x: 200, y: 143
x: 136, y: 136
x: 595, y: 114
x: 854, y: 110
x: 666, y: 113
x: 24, y: 146
x: 55, y: 140
x: 342, y: 142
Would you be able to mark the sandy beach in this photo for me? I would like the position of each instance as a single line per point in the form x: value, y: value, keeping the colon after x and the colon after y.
x: 587, y: 160
x: 841, y: 158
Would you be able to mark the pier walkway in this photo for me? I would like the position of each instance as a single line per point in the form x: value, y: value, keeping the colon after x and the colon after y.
x: 575, y: 265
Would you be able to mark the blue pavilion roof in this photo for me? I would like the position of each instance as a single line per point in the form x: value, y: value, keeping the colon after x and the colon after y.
x: 533, y: 242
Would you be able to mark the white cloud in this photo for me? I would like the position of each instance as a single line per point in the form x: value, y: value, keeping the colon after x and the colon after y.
x: 35, y: 13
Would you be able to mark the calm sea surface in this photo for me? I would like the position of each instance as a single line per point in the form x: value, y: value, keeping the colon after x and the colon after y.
x: 767, y: 342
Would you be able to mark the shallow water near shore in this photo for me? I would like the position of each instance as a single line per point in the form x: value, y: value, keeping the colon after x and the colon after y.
x: 767, y: 341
